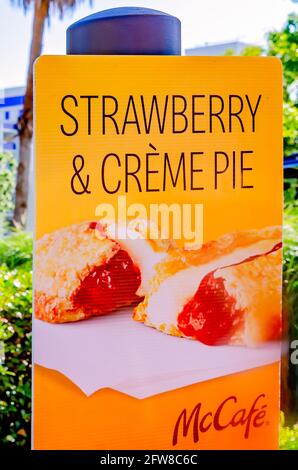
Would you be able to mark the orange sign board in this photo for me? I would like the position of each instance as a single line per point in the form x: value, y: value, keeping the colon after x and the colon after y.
x: 158, y: 252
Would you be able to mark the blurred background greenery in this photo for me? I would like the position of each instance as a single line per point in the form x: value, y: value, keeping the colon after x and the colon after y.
x: 16, y: 272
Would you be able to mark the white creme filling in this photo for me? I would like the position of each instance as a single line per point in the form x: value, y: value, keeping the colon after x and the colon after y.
x: 168, y: 301
x: 141, y: 252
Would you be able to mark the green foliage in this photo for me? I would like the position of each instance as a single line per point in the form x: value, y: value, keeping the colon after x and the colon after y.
x: 284, y: 44
x: 290, y: 258
x: 249, y: 51
x: 290, y: 127
x: 16, y: 251
x: 15, y: 335
x: 252, y: 51
x: 230, y: 52
x: 288, y: 437
x: 7, y: 184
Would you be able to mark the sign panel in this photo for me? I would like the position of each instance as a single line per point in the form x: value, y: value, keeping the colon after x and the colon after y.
x: 157, y: 267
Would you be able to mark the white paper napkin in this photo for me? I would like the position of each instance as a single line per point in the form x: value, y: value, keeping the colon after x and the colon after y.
x: 116, y: 352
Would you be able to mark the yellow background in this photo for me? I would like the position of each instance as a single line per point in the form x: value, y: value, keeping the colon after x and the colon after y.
x: 59, y: 417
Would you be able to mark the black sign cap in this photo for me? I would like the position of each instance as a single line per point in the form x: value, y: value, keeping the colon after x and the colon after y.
x: 125, y: 31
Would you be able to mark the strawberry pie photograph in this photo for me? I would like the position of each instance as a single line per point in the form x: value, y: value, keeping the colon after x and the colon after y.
x: 215, y: 295
x: 111, y: 292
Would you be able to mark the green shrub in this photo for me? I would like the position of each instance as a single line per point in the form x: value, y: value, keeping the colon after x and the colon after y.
x: 16, y: 251
x: 7, y: 181
x: 283, y: 44
x: 15, y: 334
x: 290, y: 258
x: 288, y: 436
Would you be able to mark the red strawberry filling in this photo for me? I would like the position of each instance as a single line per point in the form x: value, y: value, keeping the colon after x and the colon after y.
x: 211, y: 316
x: 110, y: 286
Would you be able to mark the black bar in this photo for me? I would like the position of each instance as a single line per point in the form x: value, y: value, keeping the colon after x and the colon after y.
x: 147, y: 458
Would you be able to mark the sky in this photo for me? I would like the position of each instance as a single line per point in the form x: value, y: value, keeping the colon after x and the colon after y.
x: 203, y: 21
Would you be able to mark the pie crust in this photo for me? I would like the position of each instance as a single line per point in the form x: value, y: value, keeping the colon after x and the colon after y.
x: 66, y: 257
x: 249, y: 263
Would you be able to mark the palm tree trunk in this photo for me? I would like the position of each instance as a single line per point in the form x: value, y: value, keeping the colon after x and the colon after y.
x: 25, y: 123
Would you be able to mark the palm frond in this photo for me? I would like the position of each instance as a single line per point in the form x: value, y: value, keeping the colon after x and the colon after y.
x: 22, y: 3
x: 60, y: 5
